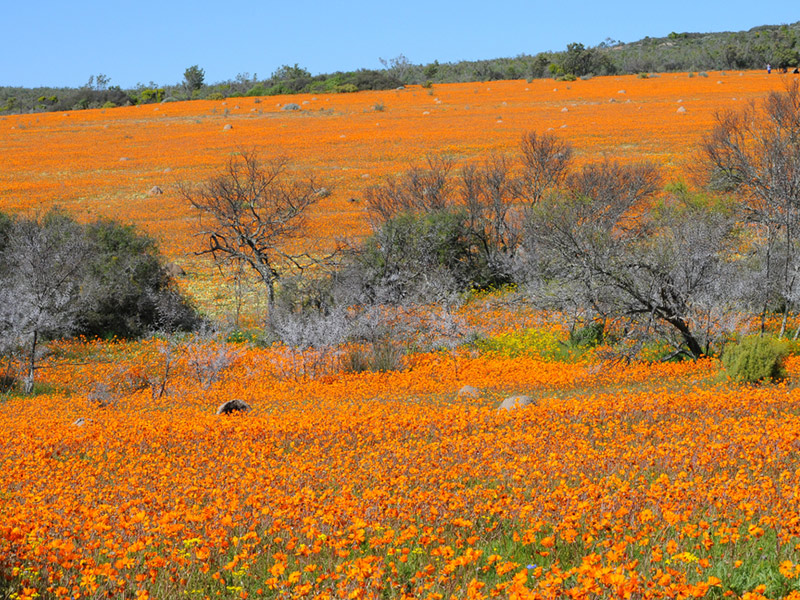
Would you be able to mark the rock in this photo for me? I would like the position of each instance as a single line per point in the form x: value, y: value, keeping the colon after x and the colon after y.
x: 227, y: 127
x: 681, y: 110
x: 174, y: 270
x: 291, y: 106
x: 565, y: 109
x: 233, y: 406
x: 81, y: 422
x: 515, y: 402
x: 469, y: 391
x: 155, y: 191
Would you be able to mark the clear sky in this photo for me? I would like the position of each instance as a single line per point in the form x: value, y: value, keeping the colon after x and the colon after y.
x: 138, y: 41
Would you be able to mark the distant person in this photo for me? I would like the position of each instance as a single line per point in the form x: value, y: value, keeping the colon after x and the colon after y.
x: 769, y: 68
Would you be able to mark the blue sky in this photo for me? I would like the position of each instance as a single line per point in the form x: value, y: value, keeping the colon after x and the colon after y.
x: 64, y: 43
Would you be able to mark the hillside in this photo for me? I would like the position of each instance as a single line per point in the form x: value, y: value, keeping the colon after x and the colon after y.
x: 778, y: 45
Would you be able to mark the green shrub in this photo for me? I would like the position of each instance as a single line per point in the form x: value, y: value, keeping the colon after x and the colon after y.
x: 257, y: 90
x: 149, y: 96
x: 127, y: 292
x: 756, y: 358
x: 588, y: 336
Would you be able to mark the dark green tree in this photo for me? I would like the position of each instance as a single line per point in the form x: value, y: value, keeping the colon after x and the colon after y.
x: 193, y: 78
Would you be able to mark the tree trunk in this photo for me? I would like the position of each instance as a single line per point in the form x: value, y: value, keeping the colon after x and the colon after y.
x: 270, y: 300
x: 28, y: 385
x: 694, y: 346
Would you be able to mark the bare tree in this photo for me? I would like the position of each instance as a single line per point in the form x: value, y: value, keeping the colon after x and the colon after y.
x: 39, y: 295
x: 250, y: 213
x: 756, y: 154
x: 420, y: 189
x: 655, y: 269
x: 545, y: 163
x: 490, y: 195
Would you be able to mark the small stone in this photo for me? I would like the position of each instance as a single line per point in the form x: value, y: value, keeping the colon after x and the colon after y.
x: 155, y: 191
x: 515, y: 402
x: 681, y: 110
x: 233, y: 406
x: 469, y: 391
x: 291, y: 106
x: 227, y: 127
x: 565, y: 109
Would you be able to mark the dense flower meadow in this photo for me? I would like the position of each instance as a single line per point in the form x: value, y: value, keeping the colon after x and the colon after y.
x: 105, y: 162
x: 637, y: 481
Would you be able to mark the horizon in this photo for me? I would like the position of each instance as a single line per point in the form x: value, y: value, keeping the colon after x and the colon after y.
x: 131, y: 44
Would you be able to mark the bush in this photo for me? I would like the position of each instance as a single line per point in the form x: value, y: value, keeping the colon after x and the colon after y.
x: 380, y: 356
x: 127, y: 292
x: 756, y: 358
x: 418, y: 258
x: 149, y: 96
x: 588, y: 336
x: 257, y: 90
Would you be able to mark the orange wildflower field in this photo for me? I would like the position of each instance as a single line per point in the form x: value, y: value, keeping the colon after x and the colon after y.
x: 633, y: 481
x: 104, y: 162
x: 639, y: 481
